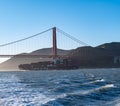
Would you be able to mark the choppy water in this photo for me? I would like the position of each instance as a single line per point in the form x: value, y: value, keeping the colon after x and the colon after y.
x: 98, y: 87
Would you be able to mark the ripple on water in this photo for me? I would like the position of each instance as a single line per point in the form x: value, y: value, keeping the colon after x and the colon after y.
x: 59, y: 89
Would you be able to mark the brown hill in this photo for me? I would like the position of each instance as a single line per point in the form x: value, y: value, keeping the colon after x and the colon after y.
x: 14, y: 62
x: 100, y: 56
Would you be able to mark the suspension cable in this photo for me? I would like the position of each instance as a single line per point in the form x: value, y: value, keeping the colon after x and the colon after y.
x: 20, y: 40
x: 71, y: 37
x: 59, y: 30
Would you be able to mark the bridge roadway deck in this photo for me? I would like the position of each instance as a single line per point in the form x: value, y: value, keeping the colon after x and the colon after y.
x: 31, y: 56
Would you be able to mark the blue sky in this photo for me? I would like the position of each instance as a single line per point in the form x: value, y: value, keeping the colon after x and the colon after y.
x: 92, y: 21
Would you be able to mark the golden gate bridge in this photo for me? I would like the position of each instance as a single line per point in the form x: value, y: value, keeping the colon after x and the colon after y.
x: 54, y: 40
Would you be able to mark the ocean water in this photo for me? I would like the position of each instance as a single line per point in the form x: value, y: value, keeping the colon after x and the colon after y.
x: 85, y: 87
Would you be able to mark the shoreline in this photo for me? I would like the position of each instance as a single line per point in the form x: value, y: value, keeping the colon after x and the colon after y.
x: 17, y: 70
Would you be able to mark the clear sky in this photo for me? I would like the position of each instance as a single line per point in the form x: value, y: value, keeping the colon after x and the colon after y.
x: 92, y: 21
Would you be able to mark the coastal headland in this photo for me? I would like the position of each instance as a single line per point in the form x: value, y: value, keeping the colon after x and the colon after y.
x: 103, y: 56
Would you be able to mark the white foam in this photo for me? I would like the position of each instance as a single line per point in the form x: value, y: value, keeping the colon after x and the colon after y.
x: 100, y: 80
x: 107, y: 86
x: 24, y: 99
x: 85, y: 92
x: 99, y: 88
x: 96, y: 81
x: 38, y: 99
x: 21, y: 101
x: 116, y: 102
x: 11, y: 77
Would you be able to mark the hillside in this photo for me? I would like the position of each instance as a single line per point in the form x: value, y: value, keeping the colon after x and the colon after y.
x: 100, y: 56
x: 113, y: 47
x: 14, y: 62
x: 84, y: 57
